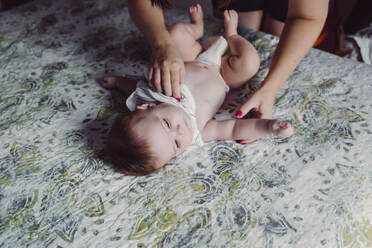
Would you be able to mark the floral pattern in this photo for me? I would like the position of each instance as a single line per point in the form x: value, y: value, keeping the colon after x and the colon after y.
x: 58, y: 190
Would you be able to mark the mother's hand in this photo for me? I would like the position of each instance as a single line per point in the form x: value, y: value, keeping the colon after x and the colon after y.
x: 260, y: 102
x: 167, y: 70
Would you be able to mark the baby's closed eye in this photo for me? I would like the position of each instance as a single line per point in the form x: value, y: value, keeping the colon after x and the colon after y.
x: 177, y: 143
x: 167, y: 123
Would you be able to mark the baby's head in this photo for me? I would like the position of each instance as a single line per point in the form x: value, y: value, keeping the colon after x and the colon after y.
x: 143, y: 141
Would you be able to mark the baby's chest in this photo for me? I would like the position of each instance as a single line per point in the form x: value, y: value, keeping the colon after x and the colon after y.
x: 207, y: 107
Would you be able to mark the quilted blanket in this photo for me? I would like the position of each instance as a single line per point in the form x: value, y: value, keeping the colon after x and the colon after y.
x: 57, y: 189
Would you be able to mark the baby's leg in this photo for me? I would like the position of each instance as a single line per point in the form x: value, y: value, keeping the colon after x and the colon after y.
x: 242, y: 62
x: 185, y: 35
x: 124, y: 85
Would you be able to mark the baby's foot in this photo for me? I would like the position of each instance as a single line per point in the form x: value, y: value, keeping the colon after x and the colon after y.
x: 111, y: 82
x: 122, y: 84
x: 196, y: 18
x: 231, y: 22
x: 281, y: 128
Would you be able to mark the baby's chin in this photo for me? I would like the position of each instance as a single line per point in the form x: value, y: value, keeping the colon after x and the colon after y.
x: 159, y: 165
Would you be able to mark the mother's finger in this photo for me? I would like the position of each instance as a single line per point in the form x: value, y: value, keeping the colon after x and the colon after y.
x: 165, y: 81
x: 149, y: 77
x: 156, y: 76
x: 182, y: 72
x: 246, y: 142
x: 175, y: 83
x: 149, y: 73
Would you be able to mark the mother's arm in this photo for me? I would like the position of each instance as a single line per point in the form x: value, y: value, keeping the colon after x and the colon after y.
x: 166, y: 70
x: 304, y: 22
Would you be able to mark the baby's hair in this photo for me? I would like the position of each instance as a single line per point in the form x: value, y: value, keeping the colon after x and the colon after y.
x: 128, y: 152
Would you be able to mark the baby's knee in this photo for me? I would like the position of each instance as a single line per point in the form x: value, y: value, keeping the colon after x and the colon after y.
x: 177, y: 31
x: 237, y: 70
x: 249, y: 63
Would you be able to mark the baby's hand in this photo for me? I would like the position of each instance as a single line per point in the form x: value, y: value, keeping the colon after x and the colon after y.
x: 281, y: 128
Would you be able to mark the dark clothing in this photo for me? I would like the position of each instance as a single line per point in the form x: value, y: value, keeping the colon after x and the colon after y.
x: 359, y: 18
x: 276, y: 8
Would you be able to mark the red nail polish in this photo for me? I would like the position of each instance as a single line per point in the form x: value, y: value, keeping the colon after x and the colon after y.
x: 243, y: 143
x: 239, y: 114
x: 178, y: 99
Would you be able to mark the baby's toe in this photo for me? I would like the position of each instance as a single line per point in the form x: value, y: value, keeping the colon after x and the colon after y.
x: 282, y: 129
x: 226, y: 15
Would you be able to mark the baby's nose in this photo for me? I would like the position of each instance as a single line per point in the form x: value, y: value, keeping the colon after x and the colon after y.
x: 179, y: 129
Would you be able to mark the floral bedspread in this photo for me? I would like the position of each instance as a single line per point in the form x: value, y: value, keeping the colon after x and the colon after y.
x: 313, y: 189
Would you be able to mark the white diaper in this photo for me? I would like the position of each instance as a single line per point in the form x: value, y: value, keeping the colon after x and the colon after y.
x: 213, y: 55
x: 143, y: 94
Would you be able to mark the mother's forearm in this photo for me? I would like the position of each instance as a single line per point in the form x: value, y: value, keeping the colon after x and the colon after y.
x: 296, y: 40
x: 150, y: 21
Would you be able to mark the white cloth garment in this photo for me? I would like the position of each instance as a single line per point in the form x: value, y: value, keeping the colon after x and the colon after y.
x: 143, y: 94
x: 213, y: 56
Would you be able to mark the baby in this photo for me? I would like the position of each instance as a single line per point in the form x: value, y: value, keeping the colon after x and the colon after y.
x: 161, y: 127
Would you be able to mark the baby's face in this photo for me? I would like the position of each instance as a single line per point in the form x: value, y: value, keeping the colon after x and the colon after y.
x: 167, y: 129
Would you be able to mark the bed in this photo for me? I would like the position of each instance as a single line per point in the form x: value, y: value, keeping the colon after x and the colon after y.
x: 57, y: 189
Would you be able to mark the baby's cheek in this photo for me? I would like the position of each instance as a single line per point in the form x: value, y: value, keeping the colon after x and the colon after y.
x: 189, y: 140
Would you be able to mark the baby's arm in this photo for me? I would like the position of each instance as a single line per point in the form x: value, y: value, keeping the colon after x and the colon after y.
x: 244, y: 129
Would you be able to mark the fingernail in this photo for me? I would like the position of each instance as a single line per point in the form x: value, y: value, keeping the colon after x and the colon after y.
x: 239, y: 114
x: 243, y: 143
x: 178, y: 99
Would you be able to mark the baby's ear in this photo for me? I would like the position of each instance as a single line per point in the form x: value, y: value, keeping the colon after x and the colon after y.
x: 145, y: 106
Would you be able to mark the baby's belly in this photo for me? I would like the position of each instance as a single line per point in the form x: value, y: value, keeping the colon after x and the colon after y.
x: 208, y: 89
x: 205, y: 81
